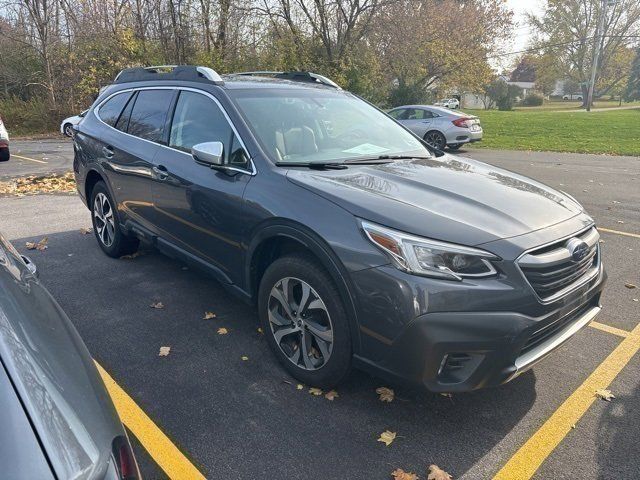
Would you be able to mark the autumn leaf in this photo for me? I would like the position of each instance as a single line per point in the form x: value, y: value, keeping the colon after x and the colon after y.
x: 386, y: 394
x: 32, y: 185
x: 209, y: 315
x: 330, y: 395
x: 222, y: 331
x: 86, y: 231
x: 244, y: 358
x: 315, y: 391
x: 260, y: 330
x: 436, y: 473
x: 387, y: 437
x: 157, y: 305
x: 399, y: 474
x: 130, y: 256
x: 299, y: 386
x: 605, y: 394
x: 164, y: 351
x: 41, y: 245
x: 630, y: 286
x: 447, y: 395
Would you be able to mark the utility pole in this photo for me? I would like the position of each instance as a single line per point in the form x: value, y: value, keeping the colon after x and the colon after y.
x: 596, y: 50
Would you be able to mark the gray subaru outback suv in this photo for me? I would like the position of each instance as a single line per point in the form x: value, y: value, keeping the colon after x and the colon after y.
x: 359, y: 244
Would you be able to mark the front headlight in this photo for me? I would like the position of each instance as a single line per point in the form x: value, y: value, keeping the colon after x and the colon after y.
x: 431, y: 258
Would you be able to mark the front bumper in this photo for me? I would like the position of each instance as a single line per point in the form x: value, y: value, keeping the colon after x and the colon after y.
x: 466, y: 350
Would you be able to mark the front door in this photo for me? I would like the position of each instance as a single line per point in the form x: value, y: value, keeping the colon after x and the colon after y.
x: 200, y: 209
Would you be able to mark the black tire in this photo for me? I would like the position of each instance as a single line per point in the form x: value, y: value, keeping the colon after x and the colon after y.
x: 4, y: 154
x: 120, y: 243
x: 435, y: 139
x: 454, y: 147
x: 68, y: 130
x: 307, y: 270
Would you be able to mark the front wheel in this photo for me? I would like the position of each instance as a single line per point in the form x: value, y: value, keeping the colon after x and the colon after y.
x: 304, y: 320
x: 106, y: 224
x: 435, y: 139
x: 68, y: 130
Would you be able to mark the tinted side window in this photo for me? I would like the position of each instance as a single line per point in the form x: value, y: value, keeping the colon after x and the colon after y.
x: 197, y: 119
x: 123, y: 122
x: 150, y: 114
x: 110, y: 110
x: 398, y: 114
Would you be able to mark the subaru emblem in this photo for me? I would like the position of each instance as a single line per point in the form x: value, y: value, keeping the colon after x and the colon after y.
x: 577, y: 248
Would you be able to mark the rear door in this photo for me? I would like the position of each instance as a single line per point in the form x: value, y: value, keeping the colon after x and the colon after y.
x: 199, y: 209
x: 130, y: 148
x: 418, y: 120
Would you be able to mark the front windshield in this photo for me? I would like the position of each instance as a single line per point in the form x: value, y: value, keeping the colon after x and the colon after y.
x: 319, y: 126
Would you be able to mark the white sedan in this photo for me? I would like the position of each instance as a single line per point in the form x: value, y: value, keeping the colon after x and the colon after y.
x: 66, y: 127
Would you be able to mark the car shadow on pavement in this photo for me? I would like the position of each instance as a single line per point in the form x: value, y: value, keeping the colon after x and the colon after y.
x: 245, y: 418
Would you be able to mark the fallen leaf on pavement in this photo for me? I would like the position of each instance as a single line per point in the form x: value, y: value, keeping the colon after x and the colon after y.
x: 158, y: 305
x: 222, y: 331
x: 448, y: 395
x: 244, y: 358
x: 209, y: 315
x: 164, y: 351
x: 387, y: 437
x: 386, y: 394
x: 605, y: 394
x: 630, y: 286
x: 399, y: 474
x: 41, y: 245
x: 86, y: 231
x: 436, y: 473
x: 130, y: 256
x: 260, y: 330
x: 44, y: 184
x: 299, y: 386
x: 315, y: 391
x: 330, y: 395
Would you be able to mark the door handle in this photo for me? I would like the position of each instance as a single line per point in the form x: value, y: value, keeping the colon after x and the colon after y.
x: 108, y: 151
x: 161, y: 172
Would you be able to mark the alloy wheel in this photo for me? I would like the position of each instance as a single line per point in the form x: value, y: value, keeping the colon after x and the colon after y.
x: 68, y: 130
x: 300, y: 323
x: 435, y: 139
x: 104, y: 222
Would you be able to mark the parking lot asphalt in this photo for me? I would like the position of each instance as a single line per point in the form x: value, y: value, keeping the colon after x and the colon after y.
x: 38, y: 157
x: 235, y: 418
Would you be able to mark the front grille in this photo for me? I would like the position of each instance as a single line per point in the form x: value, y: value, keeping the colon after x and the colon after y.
x: 551, y: 271
x: 549, y: 330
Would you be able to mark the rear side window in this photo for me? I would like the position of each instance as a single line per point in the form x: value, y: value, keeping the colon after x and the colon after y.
x: 109, y: 111
x: 149, y: 114
x: 123, y: 122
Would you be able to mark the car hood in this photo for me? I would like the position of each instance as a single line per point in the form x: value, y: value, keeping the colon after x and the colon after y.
x: 447, y: 198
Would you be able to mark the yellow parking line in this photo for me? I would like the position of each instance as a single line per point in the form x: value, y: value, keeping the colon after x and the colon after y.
x: 526, y: 461
x: 609, y: 329
x: 27, y: 158
x: 168, y: 457
x: 618, y: 232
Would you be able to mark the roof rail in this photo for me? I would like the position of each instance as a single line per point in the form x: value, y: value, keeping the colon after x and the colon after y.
x: 308, y: 77
x: 169, y: 72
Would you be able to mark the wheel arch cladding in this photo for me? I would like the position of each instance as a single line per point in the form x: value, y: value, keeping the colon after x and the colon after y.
x: 277, y: 240
x: 90, y: 181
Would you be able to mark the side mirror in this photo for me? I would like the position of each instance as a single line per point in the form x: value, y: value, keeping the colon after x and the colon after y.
x: 208, y: 153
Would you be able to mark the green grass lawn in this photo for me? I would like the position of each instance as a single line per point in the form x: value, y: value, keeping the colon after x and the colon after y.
x: 615, y: 132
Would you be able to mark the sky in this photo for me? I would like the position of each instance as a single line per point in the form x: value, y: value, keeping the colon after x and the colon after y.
x: 522, y: 31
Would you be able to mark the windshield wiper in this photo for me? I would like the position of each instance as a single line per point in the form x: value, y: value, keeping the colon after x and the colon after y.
x: 384, y: 159
x: 315, y: 165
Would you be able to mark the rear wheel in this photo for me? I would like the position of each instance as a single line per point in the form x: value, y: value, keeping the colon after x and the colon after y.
x: 68, y: 130
x: 304, y: 320
x: 106, y: 224
x: 435, y: 139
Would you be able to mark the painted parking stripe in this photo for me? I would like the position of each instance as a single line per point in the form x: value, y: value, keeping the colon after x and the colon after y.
x: 618, y: 232
x: 609, y: 329
x: 13, y: 155
x: 168, y: 457
x: 526, y: 461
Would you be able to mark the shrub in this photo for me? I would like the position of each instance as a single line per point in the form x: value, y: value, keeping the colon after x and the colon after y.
x: 532, y: 100
x: 25, y: 117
